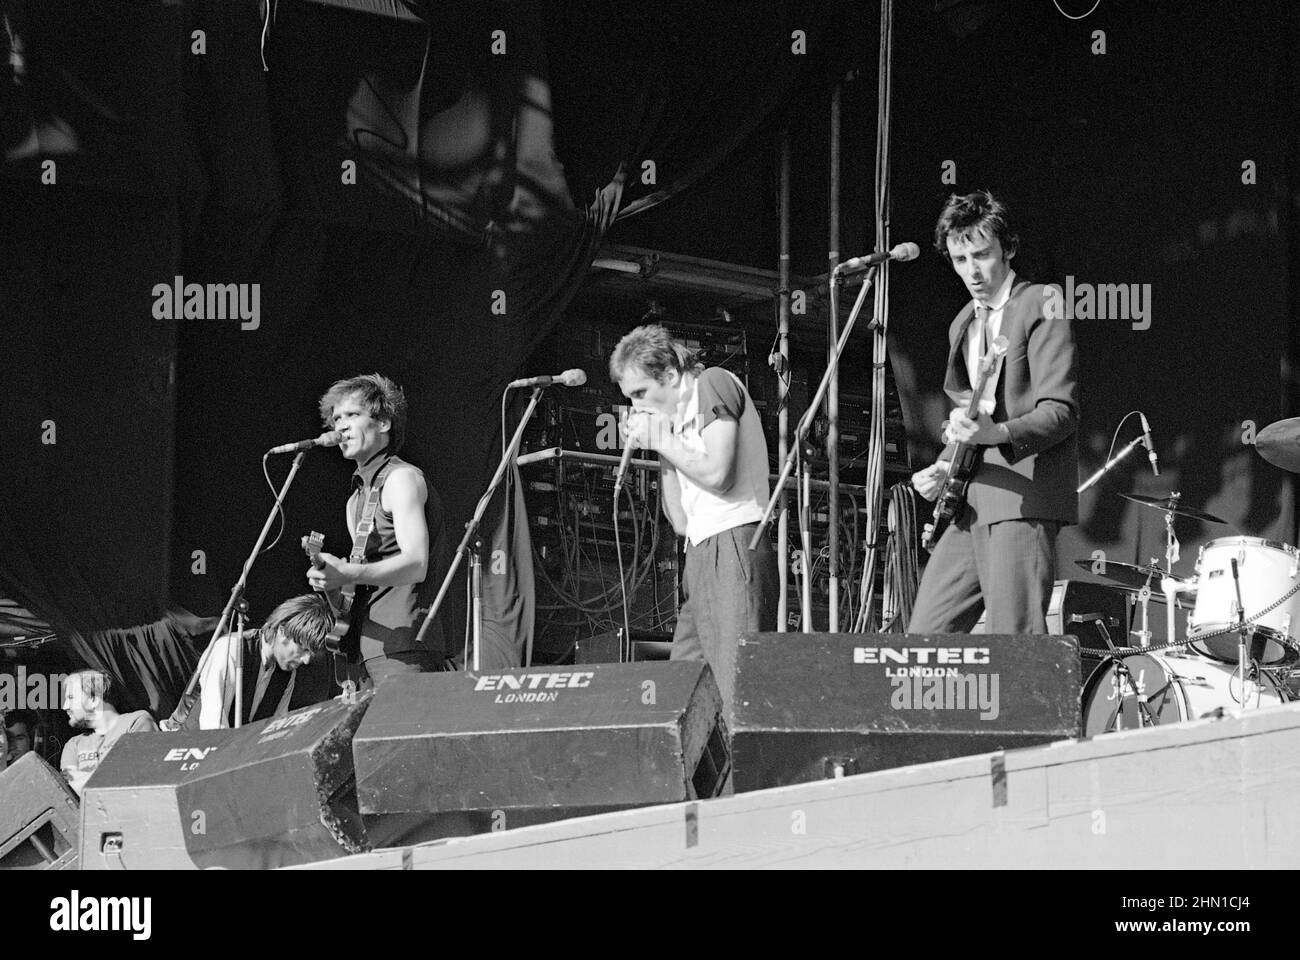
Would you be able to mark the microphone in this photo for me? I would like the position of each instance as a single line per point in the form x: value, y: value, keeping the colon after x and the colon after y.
x: 569, y: 378
x: 622, y: 467
x: 330, y: 438
x: 904, y: 251
x: 1146, y: 442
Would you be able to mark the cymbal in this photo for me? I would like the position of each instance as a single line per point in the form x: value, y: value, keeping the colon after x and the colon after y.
x: 1128, y: 574
x: 1170, y: 505
x: 1279, y: 444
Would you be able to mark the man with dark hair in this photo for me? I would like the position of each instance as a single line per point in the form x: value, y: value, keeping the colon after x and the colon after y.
x: 88, y: 699
x: 1000, y: 553
x: 20, y: 730
x: 293, y: 634
x: 714, y: 487
x: 404, y: 552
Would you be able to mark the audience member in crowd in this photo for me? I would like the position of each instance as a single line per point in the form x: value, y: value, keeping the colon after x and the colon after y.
x: 88, y: 700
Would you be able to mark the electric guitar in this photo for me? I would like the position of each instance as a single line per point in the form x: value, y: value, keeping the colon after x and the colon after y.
x: 340, y: 601
x: 965, y: 457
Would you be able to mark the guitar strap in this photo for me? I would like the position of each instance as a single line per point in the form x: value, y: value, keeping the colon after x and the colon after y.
x: 365, y: 526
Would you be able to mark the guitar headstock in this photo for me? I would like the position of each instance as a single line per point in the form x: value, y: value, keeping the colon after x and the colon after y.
x: 997, y: 350
x: 312, y: 545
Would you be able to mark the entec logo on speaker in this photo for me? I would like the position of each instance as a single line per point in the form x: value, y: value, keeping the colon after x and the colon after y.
x: 188, y: 757
x: 921, y: 655
x: 533, y: 687
x: 929, y: 678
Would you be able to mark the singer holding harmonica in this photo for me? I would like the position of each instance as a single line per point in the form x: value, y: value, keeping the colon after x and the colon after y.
x: 714, y: 484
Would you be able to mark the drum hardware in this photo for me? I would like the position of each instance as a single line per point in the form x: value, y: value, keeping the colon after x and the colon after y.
x: 1221, y: 596
x: 1171, y: 505
x: 1166, y: 689
x: 1121, y: 670
x: 1144, y: 598
x: 1245, y: 632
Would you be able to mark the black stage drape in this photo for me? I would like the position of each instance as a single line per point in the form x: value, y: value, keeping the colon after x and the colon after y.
x: 420, y: 197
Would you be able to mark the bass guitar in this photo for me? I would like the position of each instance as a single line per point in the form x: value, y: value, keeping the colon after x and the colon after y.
x: 341, y: 601
x: 964, y: 457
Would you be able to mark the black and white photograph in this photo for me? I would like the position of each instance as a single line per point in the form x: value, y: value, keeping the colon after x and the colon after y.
x: 699, y: 435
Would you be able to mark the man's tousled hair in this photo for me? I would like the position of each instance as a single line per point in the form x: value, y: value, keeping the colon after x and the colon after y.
x: 384, y: 400
x: 653, y: 350
x: 975, y: 214
x: 94, y: 683
x: 305, y: 619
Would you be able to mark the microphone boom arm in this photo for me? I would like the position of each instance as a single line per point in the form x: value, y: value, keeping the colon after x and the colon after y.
x: 805, y: 422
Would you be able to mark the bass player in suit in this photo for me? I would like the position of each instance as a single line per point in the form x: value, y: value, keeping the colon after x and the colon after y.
x: 1000, y: 553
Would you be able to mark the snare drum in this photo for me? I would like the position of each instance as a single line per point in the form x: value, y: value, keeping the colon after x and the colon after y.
x: 1267, y: 571
x: 1174, y: 689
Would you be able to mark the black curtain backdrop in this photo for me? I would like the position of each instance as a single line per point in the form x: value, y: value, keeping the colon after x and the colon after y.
x: 484, y: 182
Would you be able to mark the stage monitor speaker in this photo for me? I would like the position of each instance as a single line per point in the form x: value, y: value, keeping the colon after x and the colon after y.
x: 38, y: 817
x: 815, y: 706
x: 272, y: 794
x: 1082, y: 598
x: 561, y: 741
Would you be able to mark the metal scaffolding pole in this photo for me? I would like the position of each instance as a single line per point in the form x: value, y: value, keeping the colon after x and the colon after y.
x: 833, y: 391
x: 783, y: 382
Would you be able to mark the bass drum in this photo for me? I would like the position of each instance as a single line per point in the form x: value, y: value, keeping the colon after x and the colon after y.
x: 1174, y: 689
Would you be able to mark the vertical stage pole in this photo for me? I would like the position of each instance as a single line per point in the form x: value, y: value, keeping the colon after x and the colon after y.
x: 833, y: 391
x: 783, y: 384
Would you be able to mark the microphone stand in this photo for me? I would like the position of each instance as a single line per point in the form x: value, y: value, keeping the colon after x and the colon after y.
x: 1112, y: 462
x: 1244, y: 633
x: 187, y: 699
x: 805, y: 422
x: 471, y: 530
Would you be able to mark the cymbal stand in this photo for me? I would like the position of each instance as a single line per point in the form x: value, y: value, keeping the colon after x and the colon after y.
x: 1168, y: 585
x: 1144, y: 598
x: 1123, y: 678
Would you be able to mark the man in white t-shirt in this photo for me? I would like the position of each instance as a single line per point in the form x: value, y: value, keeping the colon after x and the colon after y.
x: 87, y: 699
x: 714, y: 484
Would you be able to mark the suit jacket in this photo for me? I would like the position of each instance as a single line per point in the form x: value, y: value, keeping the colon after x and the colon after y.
x: 1036, y: 473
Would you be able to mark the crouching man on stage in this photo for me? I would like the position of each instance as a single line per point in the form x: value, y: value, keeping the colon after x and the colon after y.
x: 293, y: 634
x: 714, y: 487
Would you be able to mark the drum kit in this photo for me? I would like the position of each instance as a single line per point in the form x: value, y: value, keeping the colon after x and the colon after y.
x: 1241, y: 647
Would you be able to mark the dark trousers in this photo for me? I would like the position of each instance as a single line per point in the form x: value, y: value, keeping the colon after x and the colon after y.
x: 376, y: 666
x: 729, y: 591
x: 1007, y: 569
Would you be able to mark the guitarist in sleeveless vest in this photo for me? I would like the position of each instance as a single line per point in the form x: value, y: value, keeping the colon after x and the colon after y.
x: 399, y: 547
x: 998, y: 553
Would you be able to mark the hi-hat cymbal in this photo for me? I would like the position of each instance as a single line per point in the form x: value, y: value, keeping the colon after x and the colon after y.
x: 1128, y: 574
x: 1171, y: 505
x: 1279, y: 444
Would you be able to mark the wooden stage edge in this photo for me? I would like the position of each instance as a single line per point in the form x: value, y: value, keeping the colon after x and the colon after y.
x: 1204, y: 794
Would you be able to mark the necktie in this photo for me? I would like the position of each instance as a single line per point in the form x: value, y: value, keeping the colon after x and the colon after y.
x: 982, y: 318
x: 263, y: 680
